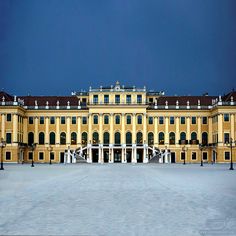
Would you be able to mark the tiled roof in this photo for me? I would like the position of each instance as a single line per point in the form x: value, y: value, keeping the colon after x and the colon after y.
x: 52, y: 100
x: 193, y: 100
x: 7, y: 96
x: 227, y: 97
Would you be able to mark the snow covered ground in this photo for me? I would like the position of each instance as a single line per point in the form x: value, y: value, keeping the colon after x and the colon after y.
x: 118, y: 199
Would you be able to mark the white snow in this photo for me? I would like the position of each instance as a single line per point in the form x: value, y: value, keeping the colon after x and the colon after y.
x: 118, y: 199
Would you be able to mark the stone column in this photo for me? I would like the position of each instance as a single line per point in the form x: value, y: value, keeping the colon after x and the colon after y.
x: 57, y: 130
x: 232, y: 127
x: 36, y: 129
x: 68, y: 135
x: 220, y: 129
x: 166, y: 130
x: 210, y: 140
x: 25, y: 133
x: 15, y: 128
x: 79, y: 131
x: 155, y: 131
x: 123, y: 129
x: 134, y: 128
x: 134, y: 154
x: 177, y: 136
x: 47, y: 130
x: 199, y: 129
x: 100, y: 128
x: 90, y: 127
x: 111, y: 128
x: 3, y: 126
x: 188, y: 136
x: 145, y: 128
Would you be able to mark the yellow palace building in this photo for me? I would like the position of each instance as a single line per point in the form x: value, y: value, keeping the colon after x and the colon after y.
x: 117, y: 124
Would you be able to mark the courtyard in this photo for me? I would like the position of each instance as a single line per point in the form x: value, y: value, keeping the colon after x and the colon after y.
x: 117, y: 199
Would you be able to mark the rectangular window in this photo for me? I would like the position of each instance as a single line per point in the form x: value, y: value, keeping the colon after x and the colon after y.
x: 73, y: 120
x: 8, y: 117
x: 8, y: 156
x: 172, y: 120
x: 182, y: 120
x: 150, y: 120
x: 139, y: 98
x: 128, y: 99
x: 150, y: 100
x: 41, y: 155
x: 30, y: 155
x: 128, y: 120
x: 63, y: 120
x: 204, y: 120
x: 31, y: 120
x: 182, y: 156
x: 41, y: 120
x: 8, y: 137
x: 161, y: 120
x: 226, y: 137
x: 194, y: 156
x: 106, y: 99
x: 84, y: 120
x: 226, y: 117
x: 117, y: 99
x: 194, y: 122
x: 227, y: 156
x: 52, y: 120
x: 95, y: 99
x: 52, y: 156
x: 204, y: 156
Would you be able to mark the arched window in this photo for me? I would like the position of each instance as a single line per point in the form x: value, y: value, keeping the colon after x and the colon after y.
x: 73, y: 138
x: 30, y: 138
x: 182, y: 136
x: 139, y: 119
x: 84, y: 138
x: 204, y: 138
x: 150, y: 138
x: 41, y: 138
x: 52, y: 138
x: 128, y: 138
x: 63, y: 138
x: 106, y: 119
x: 172, y: 138
x: 128, y: 119
x: 117, y: 138
x: 95, y: 138
x: 161, y: 138
x: 95, y: 119
x: 117, y: 119
x: 193, y: 136
x: 139, y: 138
x: 106, y: 138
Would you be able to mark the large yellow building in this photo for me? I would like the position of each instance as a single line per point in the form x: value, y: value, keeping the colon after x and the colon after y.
x: 117, y: 124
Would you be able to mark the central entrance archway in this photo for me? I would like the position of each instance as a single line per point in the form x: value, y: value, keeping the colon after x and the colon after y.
x: 117, y: 155
x: 95, y: 155
x: 139, y: 155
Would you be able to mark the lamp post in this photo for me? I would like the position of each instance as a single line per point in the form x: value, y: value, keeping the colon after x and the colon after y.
x: 50, y: 148
x: 2, y: 145
x: 230, y: 144
x: 184, y: 149
x: 33, y: 146
x: 201, y: 148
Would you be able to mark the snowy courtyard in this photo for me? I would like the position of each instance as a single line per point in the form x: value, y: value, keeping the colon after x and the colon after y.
x: 118, y: 199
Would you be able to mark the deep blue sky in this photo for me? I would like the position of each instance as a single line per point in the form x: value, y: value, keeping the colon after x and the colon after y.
x: 58, y: 46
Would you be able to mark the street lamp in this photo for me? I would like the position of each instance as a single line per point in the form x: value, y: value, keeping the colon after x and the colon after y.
x: 184, y: 149
x: 201, y: 147
x: 50, y: 148
x: 33, y: 146
x: 2, y: 145
x: 230, y: 143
